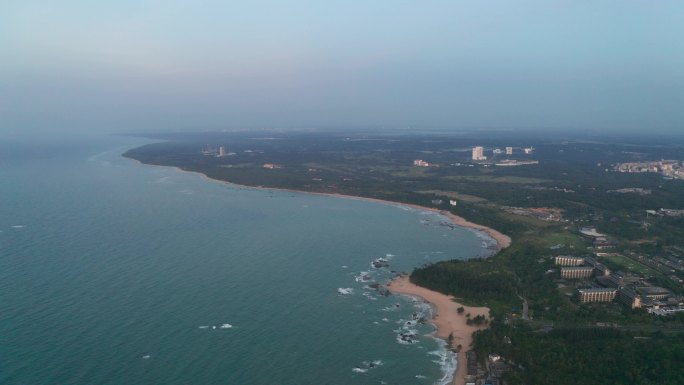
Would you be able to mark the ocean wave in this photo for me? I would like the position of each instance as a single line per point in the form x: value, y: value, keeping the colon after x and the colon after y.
x: 446, y: 359
x: 345, y: 290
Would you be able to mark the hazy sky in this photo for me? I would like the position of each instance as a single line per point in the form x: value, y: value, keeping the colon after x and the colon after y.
x: 207, y: 64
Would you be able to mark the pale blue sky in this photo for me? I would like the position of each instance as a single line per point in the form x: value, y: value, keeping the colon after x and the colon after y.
x: 206, y: 64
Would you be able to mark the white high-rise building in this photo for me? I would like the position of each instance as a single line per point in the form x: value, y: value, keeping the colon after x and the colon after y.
x: 509, y: 150
x: 478, y: 153
x: 222, y: 151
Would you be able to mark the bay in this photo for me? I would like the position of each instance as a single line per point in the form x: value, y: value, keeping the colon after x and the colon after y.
x: 113, y: 272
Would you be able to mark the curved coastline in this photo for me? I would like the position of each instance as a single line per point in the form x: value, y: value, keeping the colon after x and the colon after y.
x: 446, y: 319
x: 502, y: 240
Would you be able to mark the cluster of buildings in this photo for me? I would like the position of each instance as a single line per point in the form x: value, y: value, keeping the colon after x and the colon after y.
x: 218, y: 152
x: 479, y: 152
x: 667, y: 168
x: 666, y: 212
x: 603, y: 285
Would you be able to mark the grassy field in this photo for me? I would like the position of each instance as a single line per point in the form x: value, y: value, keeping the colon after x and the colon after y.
x: 630, y: 265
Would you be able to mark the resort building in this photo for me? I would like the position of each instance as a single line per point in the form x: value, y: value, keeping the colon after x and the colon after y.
x: 597, y: 295
x: 601, y: 269
x: 421, y: 163
x: 654, y: 293
x: 576, y: 272
x: 630, y: 298
x: 566, y: 260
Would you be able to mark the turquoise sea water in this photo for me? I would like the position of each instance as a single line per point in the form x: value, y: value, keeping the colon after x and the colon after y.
x: 113, y: 272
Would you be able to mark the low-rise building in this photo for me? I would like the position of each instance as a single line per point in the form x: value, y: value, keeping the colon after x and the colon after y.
x: 600, y: 269
x: 576, y: 272
x: 421, y: 163
x: 655, y: 293
x: 603, y: 243
x: 567, y: 260
x: 597, y: 295
x: 630, y: 298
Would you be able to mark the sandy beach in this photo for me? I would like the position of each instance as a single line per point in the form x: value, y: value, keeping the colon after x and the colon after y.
x: 446, y: 320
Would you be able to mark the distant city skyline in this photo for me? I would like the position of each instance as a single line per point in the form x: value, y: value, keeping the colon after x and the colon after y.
x: 141, y: 66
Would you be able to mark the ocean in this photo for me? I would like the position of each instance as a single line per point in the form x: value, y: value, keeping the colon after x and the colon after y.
x: 114, y: 272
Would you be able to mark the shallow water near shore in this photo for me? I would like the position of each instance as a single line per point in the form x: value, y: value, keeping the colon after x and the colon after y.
x: 115, y: 272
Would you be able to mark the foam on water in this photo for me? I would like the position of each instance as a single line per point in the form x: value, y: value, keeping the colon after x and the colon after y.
x: 364, y: 276
x: 446, y: 359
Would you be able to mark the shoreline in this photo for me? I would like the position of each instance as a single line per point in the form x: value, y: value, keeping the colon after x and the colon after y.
x: 446, y: 320
x: 502, y: 240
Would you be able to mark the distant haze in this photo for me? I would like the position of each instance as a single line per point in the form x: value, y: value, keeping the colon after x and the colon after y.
x: 125, y: 65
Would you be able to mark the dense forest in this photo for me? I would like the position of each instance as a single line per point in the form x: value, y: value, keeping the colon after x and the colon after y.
x: 586, y: 356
